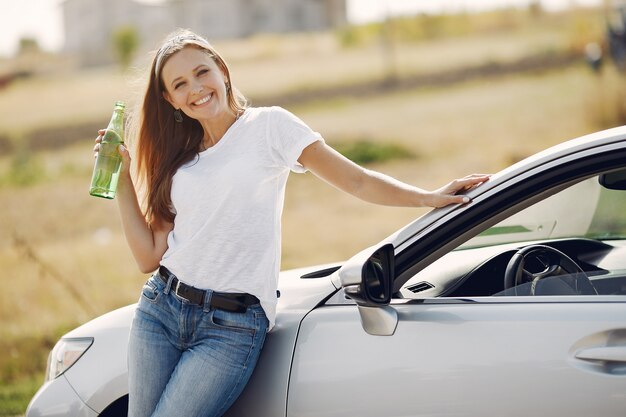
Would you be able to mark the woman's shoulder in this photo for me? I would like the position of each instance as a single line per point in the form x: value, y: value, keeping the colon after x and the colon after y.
x: 271, y: 114
x: 266, y: 110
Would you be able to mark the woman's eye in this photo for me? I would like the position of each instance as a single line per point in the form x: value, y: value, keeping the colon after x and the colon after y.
x: 203, y: 71
x: 178, y: 85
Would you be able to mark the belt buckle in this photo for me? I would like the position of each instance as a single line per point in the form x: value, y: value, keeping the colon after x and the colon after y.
x: 177, y: 288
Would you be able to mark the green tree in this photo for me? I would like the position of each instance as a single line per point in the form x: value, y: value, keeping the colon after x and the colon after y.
x: 28, y: 44
x: 125, y: 43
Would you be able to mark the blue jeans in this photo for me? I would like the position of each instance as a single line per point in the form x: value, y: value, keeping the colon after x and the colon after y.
x: 189, y: 360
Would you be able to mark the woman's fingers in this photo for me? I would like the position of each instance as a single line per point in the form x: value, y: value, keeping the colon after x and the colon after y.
x: 453, y: 192
x: 469, y: 182
x: 98, y: 139
x: 476, y: 178
x: 439, y: 199
x: 123, y: 151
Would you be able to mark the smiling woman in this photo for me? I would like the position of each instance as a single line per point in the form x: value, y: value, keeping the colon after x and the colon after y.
x: 215, y: 172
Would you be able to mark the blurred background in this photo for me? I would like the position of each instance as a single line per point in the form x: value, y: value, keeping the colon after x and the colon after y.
x: 423, y: 91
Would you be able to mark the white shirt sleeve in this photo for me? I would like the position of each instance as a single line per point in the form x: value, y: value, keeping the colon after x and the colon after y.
x: 287, y: 137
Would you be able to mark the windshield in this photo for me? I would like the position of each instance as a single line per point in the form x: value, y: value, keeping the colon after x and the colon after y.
x: 585, y: 209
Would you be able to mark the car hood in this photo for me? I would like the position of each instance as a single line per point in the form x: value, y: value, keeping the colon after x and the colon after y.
x: 300, y: 292
x: 297, y: 294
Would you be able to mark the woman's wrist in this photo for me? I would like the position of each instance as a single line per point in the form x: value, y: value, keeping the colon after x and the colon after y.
x: 421, y: 198
x: 125, y: 182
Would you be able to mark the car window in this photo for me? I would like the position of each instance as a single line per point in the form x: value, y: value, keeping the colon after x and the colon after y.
x: 568, y: 284
x: 584, y: 209
x: 609, y: 220
x: 585, y: 222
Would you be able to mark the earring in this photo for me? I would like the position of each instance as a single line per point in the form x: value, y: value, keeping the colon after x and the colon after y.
x: 178, y: 116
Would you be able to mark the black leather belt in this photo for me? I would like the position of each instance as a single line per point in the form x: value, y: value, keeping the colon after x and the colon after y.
x: 233, y: 302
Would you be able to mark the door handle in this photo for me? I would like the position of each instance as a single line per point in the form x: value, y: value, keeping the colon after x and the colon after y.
x: 604, y: 354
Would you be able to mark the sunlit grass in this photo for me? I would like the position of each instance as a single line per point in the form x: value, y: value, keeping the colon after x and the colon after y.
x: 14, y: 398
x: 369, y: 151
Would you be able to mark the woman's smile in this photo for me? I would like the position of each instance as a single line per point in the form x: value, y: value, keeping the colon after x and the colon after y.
x: 203, y: 100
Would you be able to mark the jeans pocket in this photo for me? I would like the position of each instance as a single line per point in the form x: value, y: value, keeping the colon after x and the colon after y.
x: 245, y: 322
x: 150, y: 291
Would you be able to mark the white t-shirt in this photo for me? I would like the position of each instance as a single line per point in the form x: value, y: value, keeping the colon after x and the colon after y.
x: 228, y: 204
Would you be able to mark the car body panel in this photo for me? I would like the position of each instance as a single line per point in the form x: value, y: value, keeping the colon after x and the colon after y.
x: 446, y: 356
x: 57, y: 398
x: 110, y: 333
x: 266, y: 392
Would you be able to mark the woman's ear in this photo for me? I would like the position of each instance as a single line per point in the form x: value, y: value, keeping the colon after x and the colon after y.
x: 223, y: 70
x: 166, y: 96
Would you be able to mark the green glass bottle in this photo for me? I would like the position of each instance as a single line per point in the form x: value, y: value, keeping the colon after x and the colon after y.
x: 106, y: 171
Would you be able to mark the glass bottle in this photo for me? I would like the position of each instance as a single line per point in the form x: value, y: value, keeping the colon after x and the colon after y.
x: 106, y: 171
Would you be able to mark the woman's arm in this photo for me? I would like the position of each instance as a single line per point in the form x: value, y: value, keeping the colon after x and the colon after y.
x: 147, y: 242
x: 378, y: 188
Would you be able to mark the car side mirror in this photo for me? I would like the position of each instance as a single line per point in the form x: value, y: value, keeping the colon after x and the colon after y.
x: 367, y: 278
x: 614, y: 180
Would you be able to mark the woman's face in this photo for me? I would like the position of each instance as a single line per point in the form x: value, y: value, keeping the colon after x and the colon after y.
x: 195, y: 84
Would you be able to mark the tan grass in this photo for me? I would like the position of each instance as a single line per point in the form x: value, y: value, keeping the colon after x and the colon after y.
x: 56, y: 100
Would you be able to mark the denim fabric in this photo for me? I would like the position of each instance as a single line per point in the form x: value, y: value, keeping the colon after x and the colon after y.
x: 189, y: 360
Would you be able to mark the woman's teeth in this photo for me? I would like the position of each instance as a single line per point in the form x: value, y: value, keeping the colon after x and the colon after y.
x: 203, y: 100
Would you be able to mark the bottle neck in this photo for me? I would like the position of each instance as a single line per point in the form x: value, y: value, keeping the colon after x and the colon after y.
x: 117, y: 119
x: 115, y: 125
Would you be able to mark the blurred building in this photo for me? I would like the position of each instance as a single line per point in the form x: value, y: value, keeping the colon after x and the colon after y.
x: 90, y: 24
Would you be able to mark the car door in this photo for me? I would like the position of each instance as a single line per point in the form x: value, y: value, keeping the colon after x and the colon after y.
x: 452, y: 355
x: 515, y: 357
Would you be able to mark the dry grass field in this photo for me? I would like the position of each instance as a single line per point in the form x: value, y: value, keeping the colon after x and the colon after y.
x: 63, y: 254
x: 474, y: 127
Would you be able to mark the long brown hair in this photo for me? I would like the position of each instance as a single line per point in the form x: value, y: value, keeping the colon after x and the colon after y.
x: 163, y: 144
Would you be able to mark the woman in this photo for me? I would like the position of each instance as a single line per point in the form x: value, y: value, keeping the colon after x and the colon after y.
x: 214, y: 172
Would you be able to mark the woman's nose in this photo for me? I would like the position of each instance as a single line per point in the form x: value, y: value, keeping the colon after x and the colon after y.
x: 196, y: 88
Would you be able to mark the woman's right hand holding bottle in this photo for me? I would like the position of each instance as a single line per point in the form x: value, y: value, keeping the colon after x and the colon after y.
x: 123, y: 151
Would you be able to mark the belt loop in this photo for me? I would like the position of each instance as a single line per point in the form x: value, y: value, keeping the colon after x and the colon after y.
x: 208, y: 294
x: 168, y: 286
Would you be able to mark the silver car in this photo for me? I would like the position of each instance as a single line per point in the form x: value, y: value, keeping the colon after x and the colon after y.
x: 511, y: 305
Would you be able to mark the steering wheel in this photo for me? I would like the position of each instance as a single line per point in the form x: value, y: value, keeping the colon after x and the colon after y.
x: 552, y: 263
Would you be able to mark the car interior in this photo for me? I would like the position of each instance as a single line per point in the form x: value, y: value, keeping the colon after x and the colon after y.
x: 572, y: 242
